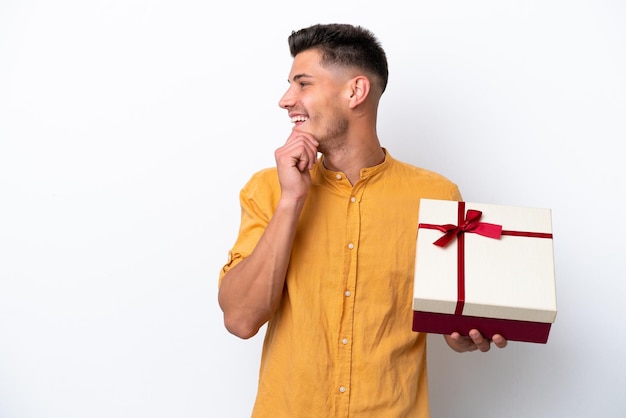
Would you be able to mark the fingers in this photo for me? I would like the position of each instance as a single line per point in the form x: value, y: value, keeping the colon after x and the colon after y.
x: 294, y: 160
x: 499, y: 341
x: 476, y: 341
x: 300, y: 151
x: 462, y: 344
x: 484, y: 344
x: 479, y: 341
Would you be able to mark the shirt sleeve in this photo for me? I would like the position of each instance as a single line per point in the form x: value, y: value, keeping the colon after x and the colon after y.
x: 258, y: 200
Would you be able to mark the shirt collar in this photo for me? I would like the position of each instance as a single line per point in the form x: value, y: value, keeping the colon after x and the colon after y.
x: 366, y: 172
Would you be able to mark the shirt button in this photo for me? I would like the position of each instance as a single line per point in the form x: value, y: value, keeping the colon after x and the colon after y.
x: 353, y: 199
x: 344, y: 341
x: 347, y: 293
x: 351, y: 245
x: 342, y: 389
x: 338, y: 176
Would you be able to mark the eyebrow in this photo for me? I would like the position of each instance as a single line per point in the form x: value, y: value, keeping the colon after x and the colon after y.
x: 299, y: 76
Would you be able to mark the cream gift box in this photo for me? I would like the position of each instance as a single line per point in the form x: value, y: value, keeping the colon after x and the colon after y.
x: 482, y: 266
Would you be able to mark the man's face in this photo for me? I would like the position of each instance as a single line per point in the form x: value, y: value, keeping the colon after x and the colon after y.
x: 315, y: 100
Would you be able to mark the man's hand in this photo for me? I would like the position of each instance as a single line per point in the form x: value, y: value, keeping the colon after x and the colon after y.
x: 474, y: 342
x: 294, y: 160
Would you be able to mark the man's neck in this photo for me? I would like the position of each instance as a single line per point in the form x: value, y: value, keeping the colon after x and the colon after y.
x: 352, y: 161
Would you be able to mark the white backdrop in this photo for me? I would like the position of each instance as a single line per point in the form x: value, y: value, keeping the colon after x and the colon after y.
x: 128, y: 127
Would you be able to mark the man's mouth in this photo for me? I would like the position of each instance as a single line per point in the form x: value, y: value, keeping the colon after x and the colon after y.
x: 299, y: 119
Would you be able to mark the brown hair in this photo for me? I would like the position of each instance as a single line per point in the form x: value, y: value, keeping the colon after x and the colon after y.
x: 344, y: 45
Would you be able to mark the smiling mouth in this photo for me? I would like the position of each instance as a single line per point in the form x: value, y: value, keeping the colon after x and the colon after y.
x: 299, y: 119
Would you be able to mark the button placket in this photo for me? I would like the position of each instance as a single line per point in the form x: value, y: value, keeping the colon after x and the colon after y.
x: 345, y: 346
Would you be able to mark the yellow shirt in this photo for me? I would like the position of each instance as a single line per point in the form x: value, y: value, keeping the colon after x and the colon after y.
x: 341, y: 343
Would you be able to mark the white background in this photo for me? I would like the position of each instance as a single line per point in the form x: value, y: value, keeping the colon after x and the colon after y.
x: 128, y: 127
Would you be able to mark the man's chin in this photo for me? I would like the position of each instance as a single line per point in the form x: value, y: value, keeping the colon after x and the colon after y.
x: 301, y: 128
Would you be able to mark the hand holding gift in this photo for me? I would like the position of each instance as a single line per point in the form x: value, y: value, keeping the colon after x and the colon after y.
x: 475, y: 341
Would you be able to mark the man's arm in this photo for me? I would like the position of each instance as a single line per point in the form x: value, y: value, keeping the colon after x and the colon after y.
x: 251, y: 291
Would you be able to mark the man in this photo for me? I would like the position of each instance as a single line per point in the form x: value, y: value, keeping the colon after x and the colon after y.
x: 326, y: 248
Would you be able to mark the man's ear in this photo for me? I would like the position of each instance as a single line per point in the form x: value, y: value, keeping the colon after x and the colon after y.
x: 359, y: 90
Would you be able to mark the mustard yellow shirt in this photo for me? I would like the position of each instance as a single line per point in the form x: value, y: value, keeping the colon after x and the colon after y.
x: 341, y: 343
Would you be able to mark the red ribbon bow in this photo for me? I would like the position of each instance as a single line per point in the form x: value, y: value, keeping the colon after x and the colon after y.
x: 470, y: 224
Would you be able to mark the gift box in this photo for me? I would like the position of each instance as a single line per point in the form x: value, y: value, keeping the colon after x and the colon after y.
x: 482, y: 266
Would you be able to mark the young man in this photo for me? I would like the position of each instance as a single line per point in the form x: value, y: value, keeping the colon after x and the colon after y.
x: 326, y: 249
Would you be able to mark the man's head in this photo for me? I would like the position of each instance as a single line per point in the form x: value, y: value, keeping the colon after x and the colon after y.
x: 336, y: 79
x: 345, y: 46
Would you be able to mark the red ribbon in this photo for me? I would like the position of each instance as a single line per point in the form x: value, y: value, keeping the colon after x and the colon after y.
x: 470, y: 223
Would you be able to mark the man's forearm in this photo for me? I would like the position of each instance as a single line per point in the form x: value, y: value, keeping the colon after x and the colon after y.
x: 252, y: 290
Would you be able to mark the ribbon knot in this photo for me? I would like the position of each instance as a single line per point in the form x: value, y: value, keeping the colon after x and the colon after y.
x: 470, y: 224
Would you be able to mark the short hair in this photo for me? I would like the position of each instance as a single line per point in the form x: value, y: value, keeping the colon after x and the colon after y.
x: 344, y: 45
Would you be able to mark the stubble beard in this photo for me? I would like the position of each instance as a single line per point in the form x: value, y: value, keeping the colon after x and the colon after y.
x: 334, y: 138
